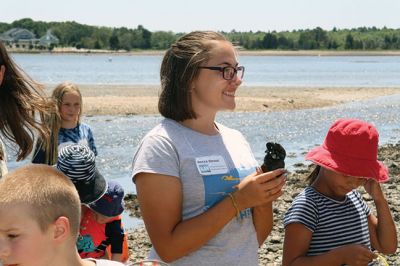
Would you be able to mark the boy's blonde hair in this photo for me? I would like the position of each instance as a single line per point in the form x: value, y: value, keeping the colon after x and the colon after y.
x: 46, y: 192
x: 54, y: 120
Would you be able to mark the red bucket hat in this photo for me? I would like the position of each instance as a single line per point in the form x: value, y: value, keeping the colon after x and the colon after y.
x: 351, y: 148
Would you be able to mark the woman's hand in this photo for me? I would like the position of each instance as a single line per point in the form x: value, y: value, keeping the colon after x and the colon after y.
x: 260, y: 188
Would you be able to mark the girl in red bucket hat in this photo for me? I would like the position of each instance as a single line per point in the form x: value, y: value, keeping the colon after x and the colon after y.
x: 329, y: 223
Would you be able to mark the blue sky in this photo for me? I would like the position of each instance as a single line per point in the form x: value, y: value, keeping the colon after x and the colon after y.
x: 186, y: 15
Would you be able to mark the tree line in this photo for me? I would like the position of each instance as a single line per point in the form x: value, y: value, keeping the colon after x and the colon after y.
x: 73, y: 34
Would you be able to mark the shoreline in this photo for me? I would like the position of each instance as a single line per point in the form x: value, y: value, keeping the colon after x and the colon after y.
x: 241, y: 52
x: 143, y: 100
x: 270, y: 253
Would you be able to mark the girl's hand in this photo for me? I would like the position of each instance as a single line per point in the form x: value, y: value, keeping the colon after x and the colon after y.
x: 357, y: 255
x: 373, y: 188
x: 260, y: 188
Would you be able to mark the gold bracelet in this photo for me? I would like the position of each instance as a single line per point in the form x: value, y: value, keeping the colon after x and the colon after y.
x: 235, y: 205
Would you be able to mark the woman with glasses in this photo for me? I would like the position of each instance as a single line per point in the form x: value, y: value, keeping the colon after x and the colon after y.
x: 202, y: 197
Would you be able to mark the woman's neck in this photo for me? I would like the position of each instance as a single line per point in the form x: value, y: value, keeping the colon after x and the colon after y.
x: 202, y: 125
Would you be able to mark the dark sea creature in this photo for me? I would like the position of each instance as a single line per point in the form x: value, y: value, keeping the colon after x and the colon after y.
x: 274, y: 157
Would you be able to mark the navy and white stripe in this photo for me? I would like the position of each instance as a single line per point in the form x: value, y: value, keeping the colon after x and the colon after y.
x: 333, y: 223
x: 77, y: 162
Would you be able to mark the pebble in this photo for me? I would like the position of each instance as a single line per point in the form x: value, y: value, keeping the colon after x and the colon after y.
x: 270, y: 253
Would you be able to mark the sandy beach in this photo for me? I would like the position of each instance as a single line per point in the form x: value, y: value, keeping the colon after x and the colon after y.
x: 134, y: 100
x: 270, y: 253
x: 142, y: 100
x: 129, y: 100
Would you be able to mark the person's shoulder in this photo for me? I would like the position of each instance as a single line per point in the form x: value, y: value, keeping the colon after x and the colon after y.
x: 83, y: 125
x: 166, y: 129
x: 222, y: 127
x: 307, y: 197
x: 227, y: 131
x: 355, y: 195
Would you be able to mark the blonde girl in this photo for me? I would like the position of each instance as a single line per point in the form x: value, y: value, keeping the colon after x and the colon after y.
x: 65, y: 125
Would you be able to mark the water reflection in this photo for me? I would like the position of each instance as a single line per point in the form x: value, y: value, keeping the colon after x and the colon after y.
x: 117, y: 137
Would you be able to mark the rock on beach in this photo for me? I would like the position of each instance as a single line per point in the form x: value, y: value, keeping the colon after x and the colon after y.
x: 270, y: 253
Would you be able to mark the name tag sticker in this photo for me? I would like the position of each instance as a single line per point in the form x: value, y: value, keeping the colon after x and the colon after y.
x: 211, y: 165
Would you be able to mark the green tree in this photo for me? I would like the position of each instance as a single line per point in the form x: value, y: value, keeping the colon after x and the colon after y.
x: 114, y: 42
x: 270, y: 41
x: 349, y: 43
x: 162, y: 39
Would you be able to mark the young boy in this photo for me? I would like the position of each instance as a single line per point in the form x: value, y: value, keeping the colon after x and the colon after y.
x: 101, y: 232
x: 39, y: 219
x: 78, y: 162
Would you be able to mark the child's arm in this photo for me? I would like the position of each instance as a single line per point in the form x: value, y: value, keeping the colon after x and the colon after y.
x: 297, y: 242
x: 263, y: 217
x: 263, y: 221
x: 115, y: 234
x: 116, y: 257
x: 382, y: 229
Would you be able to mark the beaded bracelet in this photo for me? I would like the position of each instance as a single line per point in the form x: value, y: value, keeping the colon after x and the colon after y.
x: 380, y: 259
x: 235, y: 205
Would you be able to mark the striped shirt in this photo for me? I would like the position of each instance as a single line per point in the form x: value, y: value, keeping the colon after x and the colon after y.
x: 333, y: 223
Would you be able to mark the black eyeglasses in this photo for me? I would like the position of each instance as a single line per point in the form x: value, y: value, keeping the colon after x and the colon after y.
x: 228, y: 72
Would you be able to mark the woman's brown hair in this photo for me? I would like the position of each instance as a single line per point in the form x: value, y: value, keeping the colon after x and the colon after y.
x: 23, y: 106
x: 179, y: 68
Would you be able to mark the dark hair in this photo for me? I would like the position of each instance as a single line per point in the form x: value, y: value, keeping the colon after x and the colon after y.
x: 314, y: 174
x: 21, y: 99
x: 179, y: 68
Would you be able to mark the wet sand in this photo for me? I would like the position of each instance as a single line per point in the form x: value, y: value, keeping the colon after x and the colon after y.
x: 141, y: 100
x: 270, y: 253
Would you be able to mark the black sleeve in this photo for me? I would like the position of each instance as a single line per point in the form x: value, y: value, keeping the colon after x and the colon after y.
x: 39, y: 155
x: 115, y: 234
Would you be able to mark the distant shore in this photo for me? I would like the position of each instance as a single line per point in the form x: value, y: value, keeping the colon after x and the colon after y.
x: 73, y: 50
x: 142, y: 100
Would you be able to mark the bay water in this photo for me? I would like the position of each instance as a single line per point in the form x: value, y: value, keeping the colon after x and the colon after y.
x: 117, y: 137
x: 323, y: 71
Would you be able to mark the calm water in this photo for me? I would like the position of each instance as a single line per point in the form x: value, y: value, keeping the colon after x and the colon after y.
x: 117, y: 137
x: 373, y: 71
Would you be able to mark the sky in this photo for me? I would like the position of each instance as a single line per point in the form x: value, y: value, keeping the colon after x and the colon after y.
x: 218, y: 15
